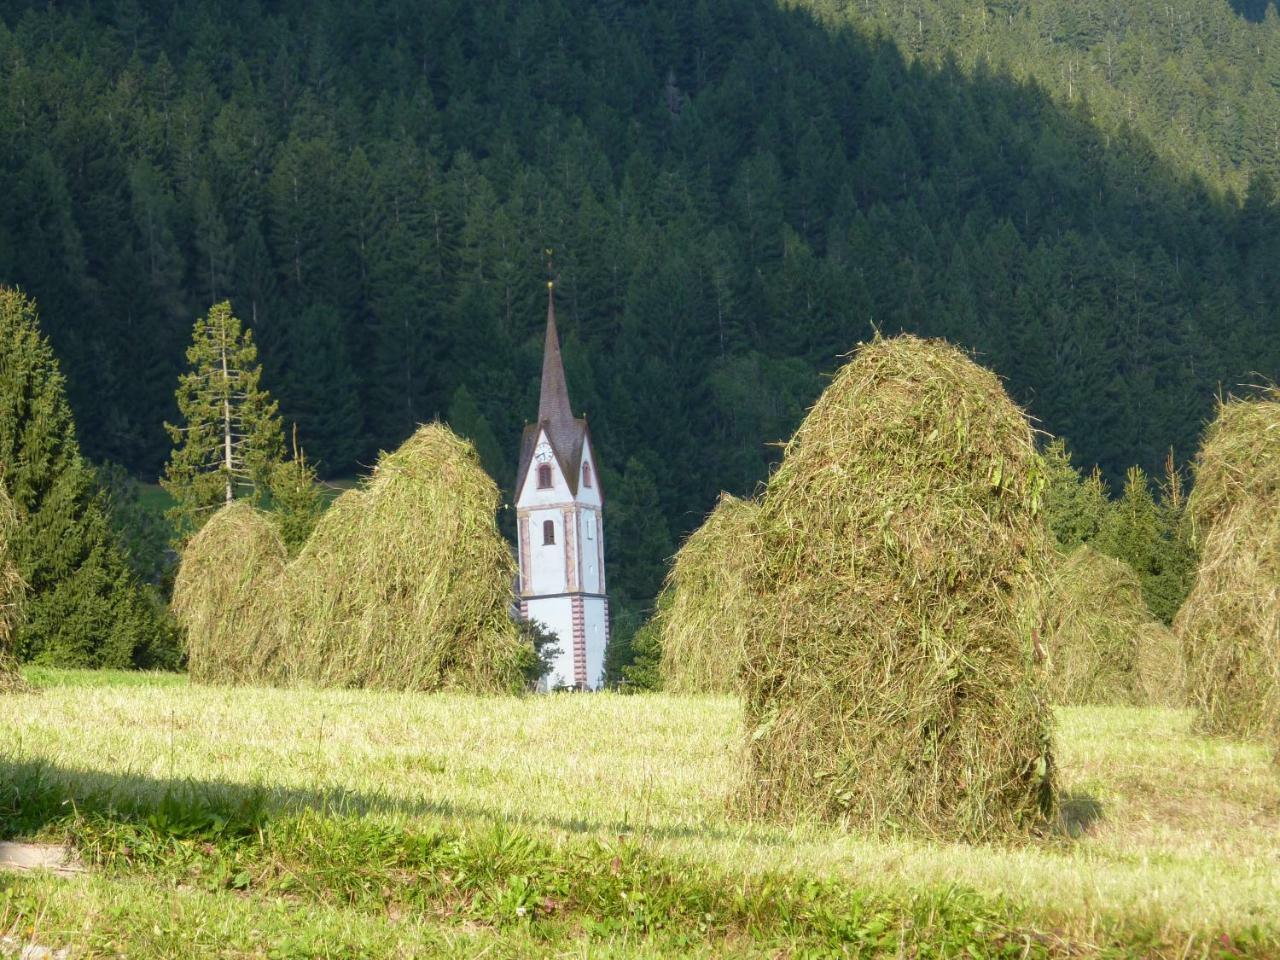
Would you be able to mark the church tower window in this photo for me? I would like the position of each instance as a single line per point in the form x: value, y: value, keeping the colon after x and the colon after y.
x: 544, y: 477
x: 548, y: 532
x: 586, y: 475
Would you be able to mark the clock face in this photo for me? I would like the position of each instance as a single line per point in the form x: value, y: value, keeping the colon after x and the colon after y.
x: 543, y: 452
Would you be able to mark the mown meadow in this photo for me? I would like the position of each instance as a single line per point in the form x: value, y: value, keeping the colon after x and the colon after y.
x: 255, y: 822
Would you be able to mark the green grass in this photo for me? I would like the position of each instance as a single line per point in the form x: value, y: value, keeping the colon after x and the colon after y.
x: 154, y: 498
x: 384, y: 819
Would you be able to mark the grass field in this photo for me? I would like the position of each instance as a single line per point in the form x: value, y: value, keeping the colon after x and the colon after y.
x: 286, y: 823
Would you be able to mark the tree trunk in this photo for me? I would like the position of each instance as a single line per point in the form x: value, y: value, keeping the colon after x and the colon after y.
x: 226, y: 418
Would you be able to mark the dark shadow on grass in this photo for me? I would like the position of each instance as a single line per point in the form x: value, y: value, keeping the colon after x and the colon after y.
x: 1077, y: 813
x: 35, y: 795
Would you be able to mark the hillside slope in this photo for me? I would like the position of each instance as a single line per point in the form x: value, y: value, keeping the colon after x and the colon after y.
x: 1199, y: 78
x: 735, y: 194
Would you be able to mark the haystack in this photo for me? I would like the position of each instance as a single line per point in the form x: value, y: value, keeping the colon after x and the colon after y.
x: 702, y: 617
x: 404, y: 584
x: 1230, y: 622
x: 1102, y: 644
x: 13, y: 594
x: 407, y: 583
x: 226, y: 595
x: 1161, y: 678
x: 889, y: 672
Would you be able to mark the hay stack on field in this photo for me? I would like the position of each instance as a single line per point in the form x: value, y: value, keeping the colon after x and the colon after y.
x: 404, y: 584
x: 702, y: 619
x: 1161, y: 679
x: 1103, y: 645
x: 1230, y: 622
x: 227, y: 596
x: 889, y: 674
x: 13, y: 593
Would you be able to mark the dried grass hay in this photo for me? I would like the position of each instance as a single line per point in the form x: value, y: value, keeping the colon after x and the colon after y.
x: 703, y: 616
x: 405, y: 583
x: 890, y: 680
x: 13, y: 594
x: 226, y: 595
x: 1103, y: 645
x: 1230, y: 622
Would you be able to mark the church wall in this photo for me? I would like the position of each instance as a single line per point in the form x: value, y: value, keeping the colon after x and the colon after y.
x: 532, y: 496
x: 589, y: 551
x: 595, y: 619
x: 557, y: 614
x: 548, y: 572
x: 589, y: 496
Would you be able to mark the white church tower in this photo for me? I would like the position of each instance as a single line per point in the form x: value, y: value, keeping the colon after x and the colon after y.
x: 561, y: 538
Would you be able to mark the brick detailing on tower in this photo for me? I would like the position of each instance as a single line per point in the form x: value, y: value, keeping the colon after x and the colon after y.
x: 525, y: 565
x: 571, y: 579
x: 579, y: 645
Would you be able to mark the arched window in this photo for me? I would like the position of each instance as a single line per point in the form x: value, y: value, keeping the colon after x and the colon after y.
x: 548, y: 532
x: 544, y: 476
x: 586, y: 474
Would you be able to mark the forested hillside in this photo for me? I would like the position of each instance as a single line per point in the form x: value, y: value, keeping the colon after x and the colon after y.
x: 735, y: 193
x: 1199, y: 78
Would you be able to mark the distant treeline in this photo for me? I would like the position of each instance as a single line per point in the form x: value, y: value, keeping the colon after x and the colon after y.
x: 734, y: 194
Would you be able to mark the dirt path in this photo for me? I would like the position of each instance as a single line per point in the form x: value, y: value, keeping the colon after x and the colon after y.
x: 39, y: 856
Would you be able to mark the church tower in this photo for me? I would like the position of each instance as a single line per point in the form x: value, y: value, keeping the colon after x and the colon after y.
x: 561, y: 538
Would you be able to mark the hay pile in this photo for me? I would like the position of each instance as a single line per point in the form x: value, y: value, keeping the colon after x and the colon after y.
x: 703, y: 616
x: 1161, y: 677
x: 226, y: 595
x: 1102, y: 645
x: 1230, y: 622
x: 889, y: 672
x: 13, y: 595
x: 404, y: 584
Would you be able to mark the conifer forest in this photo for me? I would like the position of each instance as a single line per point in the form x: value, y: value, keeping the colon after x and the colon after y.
x: 734, y: 193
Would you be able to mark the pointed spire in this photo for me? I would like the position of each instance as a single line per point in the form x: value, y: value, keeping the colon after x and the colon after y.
x: 553, y: 402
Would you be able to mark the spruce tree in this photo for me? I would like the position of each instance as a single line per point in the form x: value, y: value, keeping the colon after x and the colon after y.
x: 1153, y: 539
x: 295, y: 497
x: 1075, y: 507
x: 230, y: 439
x: 85, y: 606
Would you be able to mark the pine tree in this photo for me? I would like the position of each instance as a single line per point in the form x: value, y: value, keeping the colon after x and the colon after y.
x: 1075, y: 507
x: 1152, y: 538
x: 467, y: 420
x: 85, y: 607
x: 230, y: 438
x: 318, y: 389
x: 295, y: 497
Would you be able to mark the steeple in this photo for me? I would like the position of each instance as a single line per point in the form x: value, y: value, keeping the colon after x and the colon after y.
x: 566, y: 435
x: 553, y: 402
x: 555, y: 414
x: 559, y: 504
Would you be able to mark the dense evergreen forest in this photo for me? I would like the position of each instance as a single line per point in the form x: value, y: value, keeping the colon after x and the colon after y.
x: 736, y: 192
